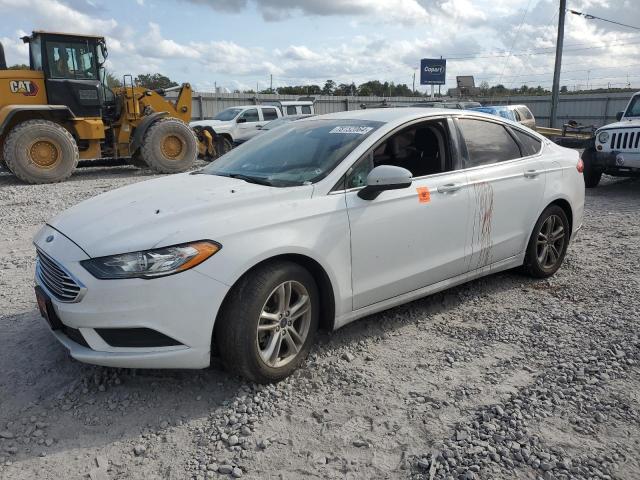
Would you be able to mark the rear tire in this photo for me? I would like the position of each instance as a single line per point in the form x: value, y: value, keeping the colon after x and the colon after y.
x: 591, y: 174
x: 137, y: 161
x: 169, y: 146
x: 548, y: 243
x: 40, y: 151
x: 223, y: 145
x: 259, y: 313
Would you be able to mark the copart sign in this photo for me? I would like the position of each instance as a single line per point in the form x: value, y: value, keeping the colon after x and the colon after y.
x: 23, y: 87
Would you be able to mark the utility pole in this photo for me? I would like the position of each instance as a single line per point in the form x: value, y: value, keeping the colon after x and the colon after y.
x: 555, y: 92
x: 271, y: 83
x: 414, y: 81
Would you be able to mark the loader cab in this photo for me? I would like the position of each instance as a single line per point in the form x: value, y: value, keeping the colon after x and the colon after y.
x: 71, y: 65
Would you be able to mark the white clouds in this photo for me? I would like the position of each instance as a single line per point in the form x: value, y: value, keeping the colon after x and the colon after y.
x: 154, y: 45
x: 58, y: 16
x: 403, y: 11
x: 16, y: 51
x: 363, y: 40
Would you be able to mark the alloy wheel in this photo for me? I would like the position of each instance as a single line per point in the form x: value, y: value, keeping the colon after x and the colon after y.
x: 284, y: 323
x: 550, y: 242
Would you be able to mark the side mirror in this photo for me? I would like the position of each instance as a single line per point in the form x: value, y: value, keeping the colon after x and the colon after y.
x: 241, y: 120
x: 619, y: 116
x: 385, y: 177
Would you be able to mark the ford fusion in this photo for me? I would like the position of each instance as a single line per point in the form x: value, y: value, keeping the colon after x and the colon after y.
x: 310, y: 225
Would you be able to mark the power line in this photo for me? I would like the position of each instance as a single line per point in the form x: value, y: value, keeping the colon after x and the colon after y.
x: 588, y: 16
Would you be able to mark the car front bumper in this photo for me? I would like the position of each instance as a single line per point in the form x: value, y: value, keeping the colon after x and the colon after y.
x: 618, y: 163
x: 180, y: 307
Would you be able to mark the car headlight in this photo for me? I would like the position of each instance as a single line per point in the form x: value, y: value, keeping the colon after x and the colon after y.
x: 152, y: 263
x: 603, y: 137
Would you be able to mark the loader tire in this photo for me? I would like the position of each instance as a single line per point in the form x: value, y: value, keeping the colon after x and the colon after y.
x: 137, y: 161
x: 223, y: 145
x: 169, y: 146
x: 40, y: 151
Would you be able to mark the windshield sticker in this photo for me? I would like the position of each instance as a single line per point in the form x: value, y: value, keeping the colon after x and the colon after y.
x: 351, y: 130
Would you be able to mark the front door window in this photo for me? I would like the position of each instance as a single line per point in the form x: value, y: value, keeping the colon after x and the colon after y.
x: 71, y: 60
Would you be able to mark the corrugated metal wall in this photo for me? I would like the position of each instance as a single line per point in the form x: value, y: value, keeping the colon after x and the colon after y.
x: 589, y: 109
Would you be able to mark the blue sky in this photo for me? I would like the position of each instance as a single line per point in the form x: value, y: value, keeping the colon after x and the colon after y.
x: 236, y: 43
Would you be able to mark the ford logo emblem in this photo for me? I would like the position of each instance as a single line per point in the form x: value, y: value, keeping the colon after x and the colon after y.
x: 49, y: 239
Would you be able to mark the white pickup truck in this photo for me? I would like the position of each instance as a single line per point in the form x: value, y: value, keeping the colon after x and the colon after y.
x: 239, y: 124
x: 616, y: 147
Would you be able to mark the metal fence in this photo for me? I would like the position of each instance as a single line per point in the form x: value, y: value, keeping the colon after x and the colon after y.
x: 589, y: 109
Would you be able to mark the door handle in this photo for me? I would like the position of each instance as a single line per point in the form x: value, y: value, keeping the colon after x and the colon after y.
x: 449, y: 187
x: 532, y: 173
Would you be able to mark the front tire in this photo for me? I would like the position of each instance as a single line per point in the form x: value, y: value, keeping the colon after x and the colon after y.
x: 169, y: 146
x: 548, y: 243
x: 591, y: 174
x: 269, y: 322
x: 40, y: 151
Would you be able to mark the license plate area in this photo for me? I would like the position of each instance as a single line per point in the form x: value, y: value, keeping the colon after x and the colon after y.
x: 46, y: 309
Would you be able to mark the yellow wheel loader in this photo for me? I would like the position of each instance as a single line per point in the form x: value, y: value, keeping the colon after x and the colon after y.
x: 61, y: 111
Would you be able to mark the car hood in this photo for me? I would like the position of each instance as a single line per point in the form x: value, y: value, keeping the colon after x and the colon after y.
x: 634, y: 122
x: 167, y: 211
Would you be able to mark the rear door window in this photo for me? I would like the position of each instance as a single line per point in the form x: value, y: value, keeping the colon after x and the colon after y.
x: 291, y: 110
x: 306, y: 110
x: 487, y: 142
x: 269, y: 114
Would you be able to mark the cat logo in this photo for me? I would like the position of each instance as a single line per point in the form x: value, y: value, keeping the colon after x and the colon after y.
x: 25, y: 87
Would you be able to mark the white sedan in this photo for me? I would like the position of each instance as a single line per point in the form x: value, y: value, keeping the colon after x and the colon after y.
x: 311, y: 225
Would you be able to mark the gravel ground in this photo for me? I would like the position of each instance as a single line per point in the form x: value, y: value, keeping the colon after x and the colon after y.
x: 502, y: 378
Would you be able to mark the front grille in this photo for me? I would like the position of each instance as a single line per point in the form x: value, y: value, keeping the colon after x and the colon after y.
x: 56, y: 279
x: 625, y: 140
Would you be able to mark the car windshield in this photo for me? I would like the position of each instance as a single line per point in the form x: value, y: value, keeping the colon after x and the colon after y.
x: 228, y: 114
x: 276, y: 123
x: 634, y: 107
x: 296, y: 153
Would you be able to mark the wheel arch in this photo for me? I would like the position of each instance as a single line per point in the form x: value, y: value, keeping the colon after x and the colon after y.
x: 223, y: 134
x: 141, y: 129
x: 12, y: 115
x: 566, y: 207
x: 320, y: 275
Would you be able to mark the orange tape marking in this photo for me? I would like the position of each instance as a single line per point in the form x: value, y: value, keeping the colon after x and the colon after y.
x: 424, y: 195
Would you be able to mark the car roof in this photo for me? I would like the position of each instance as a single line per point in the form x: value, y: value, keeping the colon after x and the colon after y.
x: 491, y: 107
x: 398, y: 116
x: 295, y: 102
x: 387, y: 115
x: 246, y: 106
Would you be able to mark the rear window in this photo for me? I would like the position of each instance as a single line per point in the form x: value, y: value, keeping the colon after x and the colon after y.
x: 291, y: 110
x: 529, y: 144
x: 525, y: 113
x: 306, y: 110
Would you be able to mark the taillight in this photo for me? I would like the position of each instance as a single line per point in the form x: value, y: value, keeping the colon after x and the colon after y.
x: 580, y: 165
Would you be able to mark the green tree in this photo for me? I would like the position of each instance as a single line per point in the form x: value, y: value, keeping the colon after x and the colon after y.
x: 111, y: 80
x: 154, y: 81
x: 329, y: 87
x: 19, y: 66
